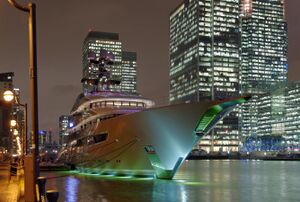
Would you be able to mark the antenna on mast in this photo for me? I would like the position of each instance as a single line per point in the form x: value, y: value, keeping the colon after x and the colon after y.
x: 102, y: 64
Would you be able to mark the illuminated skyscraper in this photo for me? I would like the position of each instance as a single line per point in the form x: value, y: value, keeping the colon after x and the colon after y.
x: 292, y: 118
x: 264, y: 58
x: 128, y: 83
x: 64, y: 124
x: 95, y: 42
x: 124, y: 71
x: 264, y: 45
x: 276, y: 117
x: 205, y: 61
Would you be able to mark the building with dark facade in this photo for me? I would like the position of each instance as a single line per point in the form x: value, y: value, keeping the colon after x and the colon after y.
x: 205, y: 61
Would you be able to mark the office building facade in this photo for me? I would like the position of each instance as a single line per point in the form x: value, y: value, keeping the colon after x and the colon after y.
x: 264, y: 60
x: 64, y: 124
x: 277, y: 119
x: 264, y: 45
x: 205, y: 60
x: 128, y: 83
x: 292, y: 118
x: 97, y: 42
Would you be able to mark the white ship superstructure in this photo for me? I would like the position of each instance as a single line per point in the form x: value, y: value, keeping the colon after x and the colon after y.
x: 98, y: 106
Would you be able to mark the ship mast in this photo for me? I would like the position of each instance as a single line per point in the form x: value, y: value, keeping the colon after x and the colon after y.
x: 101, y: 68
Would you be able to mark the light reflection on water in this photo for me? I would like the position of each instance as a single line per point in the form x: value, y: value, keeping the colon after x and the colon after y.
x: 226, y: 181
x: 71, y: 187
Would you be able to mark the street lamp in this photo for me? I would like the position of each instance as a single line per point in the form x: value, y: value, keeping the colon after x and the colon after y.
x: 31, y: 10
x: 8, y: 96
x: 13, y: 123
x: 16, y: 132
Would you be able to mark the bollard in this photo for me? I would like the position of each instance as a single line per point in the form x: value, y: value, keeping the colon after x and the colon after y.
x: 19, y: 173
x: 52, y: 195
x: 13, y: 169
x: 41, y: 181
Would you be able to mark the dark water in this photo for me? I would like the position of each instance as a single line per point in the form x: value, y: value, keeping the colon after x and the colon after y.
x: 224, y: 181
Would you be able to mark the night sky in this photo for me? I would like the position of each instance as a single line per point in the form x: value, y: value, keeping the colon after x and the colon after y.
x: 62, y: 25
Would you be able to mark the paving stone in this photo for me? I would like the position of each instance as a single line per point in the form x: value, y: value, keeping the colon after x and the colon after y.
x: 11, y: 188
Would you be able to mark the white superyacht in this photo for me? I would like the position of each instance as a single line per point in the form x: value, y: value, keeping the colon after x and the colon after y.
x: 123, y: 134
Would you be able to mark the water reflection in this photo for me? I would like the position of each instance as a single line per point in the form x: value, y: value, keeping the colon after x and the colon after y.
x: 226, y: 181
x: 71, y: 188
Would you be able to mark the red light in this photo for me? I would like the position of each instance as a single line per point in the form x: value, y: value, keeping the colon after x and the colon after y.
x: 246, y: 7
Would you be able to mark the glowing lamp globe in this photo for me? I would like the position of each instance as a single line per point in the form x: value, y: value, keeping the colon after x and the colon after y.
x: 8, y: 96
x: 13, y: 123
x: 16, y: 132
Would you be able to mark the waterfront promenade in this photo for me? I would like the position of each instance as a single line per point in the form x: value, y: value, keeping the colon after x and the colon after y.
x: 11, y: 187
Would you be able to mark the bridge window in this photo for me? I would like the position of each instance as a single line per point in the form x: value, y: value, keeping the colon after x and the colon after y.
x: 117, y: 103
x: 100, y: 137
x: 140, y: 104
x: 150, y: 149
x: 90, y: 140
x: 109, y: 103
x: 79, y: 143
x: 133, y: 104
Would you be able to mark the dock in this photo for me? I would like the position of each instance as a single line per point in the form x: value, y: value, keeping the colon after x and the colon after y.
x: 11, y: 186
x: 54, y: 167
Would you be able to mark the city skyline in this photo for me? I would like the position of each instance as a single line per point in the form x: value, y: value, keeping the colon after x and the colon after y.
x: 60, y: 51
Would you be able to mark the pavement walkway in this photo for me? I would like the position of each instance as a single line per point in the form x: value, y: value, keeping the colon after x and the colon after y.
x: 11, y: 188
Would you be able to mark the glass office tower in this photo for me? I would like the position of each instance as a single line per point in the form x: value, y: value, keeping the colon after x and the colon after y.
x: 124, y: 71
x: 95, y: 42
x: 205, y: 59
x: 292, y: 120
x: 276, y: 120
x: 64, y: 125
x: 264, y: 58
x: 128, y: 83
x: 264, y: 45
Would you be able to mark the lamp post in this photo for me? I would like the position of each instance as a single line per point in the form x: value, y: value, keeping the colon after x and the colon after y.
x: 31, y: 10
x: 8, y: 97
x: 13, y: 123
